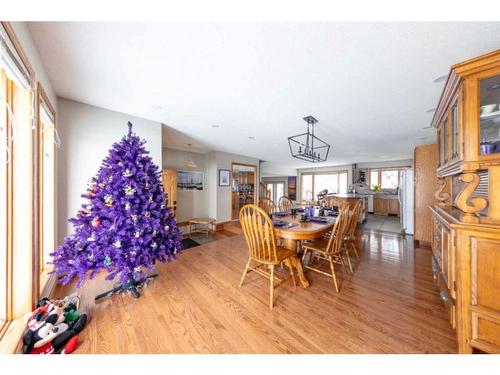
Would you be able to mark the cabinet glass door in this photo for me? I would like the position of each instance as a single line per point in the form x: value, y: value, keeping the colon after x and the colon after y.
x: 489, y: 115
x: 446, y: 137
x: 440, y: 150
x: 454, y: 139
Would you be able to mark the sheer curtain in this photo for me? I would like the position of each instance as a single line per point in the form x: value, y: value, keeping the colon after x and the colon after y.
x: 47, y: 140
x: 4, y: 156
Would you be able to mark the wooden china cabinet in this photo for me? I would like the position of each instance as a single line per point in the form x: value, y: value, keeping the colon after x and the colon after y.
x: 466, y: 219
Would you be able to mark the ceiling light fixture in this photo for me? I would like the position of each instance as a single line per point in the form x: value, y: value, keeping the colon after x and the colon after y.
x: 307, y: 146
x: 189, y: 163
x: 157, y: 107
x: 431, y: 110
x: 215, y: 126
x: 251, y: 137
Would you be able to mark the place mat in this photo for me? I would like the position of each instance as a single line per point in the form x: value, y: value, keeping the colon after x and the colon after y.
x: 282, y: 213
x: 279, y: 223
x: 319, y: 219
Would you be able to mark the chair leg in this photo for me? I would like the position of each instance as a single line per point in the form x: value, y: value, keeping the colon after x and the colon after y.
x: 245, y: 272
x: 348, y: 257
x: 304, y: 255
x: 332, y: 268
x: 355, y: 250
x: 341, y: 258
x: 293, y: 276
x: 271, y: 287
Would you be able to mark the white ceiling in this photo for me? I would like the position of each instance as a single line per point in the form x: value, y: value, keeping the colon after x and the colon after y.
x: 368, y: 84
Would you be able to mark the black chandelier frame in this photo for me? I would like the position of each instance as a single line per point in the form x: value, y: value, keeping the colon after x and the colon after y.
x: 307, y: 145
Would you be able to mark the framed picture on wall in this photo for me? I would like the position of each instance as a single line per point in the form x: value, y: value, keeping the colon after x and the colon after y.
x: 189, y: 180
x: 224, y: 177
x: 292, y: 187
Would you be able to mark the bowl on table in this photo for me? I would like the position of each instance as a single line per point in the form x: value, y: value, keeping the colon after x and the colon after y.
x: 488, y: 108
x: 486, y: 148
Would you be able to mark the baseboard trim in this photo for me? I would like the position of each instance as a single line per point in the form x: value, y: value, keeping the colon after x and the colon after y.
x: 421, y: 244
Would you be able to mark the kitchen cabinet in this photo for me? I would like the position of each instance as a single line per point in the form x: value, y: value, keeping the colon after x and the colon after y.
x: 425, y: 160
x: 383, y: 205
x: 466, y: 215
x: 468, y: 116
x: 393, y: 206
x: 379, y: 206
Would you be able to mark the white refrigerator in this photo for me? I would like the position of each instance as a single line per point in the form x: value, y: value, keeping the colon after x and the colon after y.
x: 405, y: 196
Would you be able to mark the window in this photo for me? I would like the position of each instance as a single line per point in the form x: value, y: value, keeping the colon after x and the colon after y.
x: 16, y: 209
x: 307, y: 187
x: 374, y: 180
x: 4, y: 158
x: 314, y: 183
x: 27, y: 179
x: 47, y: 138
x: 390, y: 179
x: 387, y: 179
x: 328, y: 182
x: 277, y: 190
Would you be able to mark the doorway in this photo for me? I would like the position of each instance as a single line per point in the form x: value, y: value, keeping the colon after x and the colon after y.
x: 243, y: 180
x: 277, y: 190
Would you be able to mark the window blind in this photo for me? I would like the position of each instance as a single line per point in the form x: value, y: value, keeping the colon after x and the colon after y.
x: 11, y: 62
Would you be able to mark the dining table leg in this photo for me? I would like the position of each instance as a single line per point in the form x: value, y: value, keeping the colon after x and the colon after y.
x: 294, y: 262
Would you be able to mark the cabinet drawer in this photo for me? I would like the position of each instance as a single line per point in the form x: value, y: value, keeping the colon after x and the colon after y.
x: 484, y: 293
x: 485, y: 331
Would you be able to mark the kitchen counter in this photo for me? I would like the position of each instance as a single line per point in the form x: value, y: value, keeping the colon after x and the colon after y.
x: 348, y: 195
x: 351, y: 199
x: 385, y: 196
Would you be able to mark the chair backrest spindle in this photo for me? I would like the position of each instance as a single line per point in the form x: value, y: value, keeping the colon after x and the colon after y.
x: 259, y: 233
x: 285, y: 204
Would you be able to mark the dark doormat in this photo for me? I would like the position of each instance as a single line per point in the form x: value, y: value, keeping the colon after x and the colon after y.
x: 188, y: 243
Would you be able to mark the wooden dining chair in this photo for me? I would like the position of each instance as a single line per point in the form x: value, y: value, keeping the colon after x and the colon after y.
x: 350, y: 233
x: 285, y: 204
x: 329, y: 249
x: 262, y: 249
x: 268, y: 205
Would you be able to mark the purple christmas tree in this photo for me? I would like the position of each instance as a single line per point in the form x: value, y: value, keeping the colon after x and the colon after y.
x: 125, y: 226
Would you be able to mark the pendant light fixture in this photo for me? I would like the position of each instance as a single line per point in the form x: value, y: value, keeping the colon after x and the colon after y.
x: 189, y: 163
x: 307, y: 146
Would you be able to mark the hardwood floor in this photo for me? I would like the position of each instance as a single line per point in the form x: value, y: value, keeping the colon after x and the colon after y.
x: 389, y: 305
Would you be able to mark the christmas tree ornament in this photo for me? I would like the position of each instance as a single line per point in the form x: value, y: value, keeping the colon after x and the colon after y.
x: 108, y: 200
x: 96, y: 222
x: 107, y: 260
x: 104, y: 238
x: 129, y: 190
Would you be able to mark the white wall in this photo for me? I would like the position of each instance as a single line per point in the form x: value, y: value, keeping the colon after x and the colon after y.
x: 268, y: 169
x: 87, y: 133
x: 189, y: 203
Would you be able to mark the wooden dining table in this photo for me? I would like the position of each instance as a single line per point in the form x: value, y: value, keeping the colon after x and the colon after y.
x: 298, y: 230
